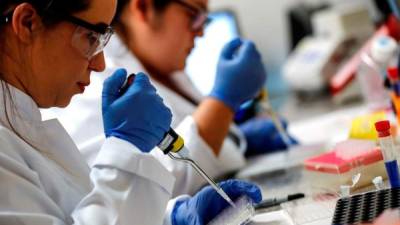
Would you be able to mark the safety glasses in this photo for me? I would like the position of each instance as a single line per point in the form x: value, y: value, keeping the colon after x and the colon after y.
x: 200, y: 17
x: 89, y: 39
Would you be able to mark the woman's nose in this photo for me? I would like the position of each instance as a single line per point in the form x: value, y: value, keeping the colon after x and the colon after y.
x: 199, y: 32
x: 97, y: 63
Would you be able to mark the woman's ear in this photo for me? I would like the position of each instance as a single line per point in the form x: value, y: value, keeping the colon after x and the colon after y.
x: 140, y: 8
x: 25, y: 22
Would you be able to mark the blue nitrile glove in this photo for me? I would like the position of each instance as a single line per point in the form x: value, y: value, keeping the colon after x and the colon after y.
x: 207, y: 203
x: 262, y: 136
x: 245, y: 112
x: 139, y: 115
x: 240, y: 74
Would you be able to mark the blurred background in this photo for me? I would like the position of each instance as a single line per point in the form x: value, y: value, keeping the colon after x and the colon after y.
x: 303, y: 44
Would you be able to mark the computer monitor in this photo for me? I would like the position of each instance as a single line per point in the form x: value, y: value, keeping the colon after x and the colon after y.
x: 395, y: 5
x: 202, y: 62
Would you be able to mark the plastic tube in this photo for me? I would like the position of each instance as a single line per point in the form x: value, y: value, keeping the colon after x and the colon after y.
x: 239, y: 215
x: 378, y: 182
x: 389, y: 154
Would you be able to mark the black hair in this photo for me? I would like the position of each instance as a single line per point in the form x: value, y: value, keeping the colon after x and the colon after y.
x: 159, y: 5
x: 66, y: 7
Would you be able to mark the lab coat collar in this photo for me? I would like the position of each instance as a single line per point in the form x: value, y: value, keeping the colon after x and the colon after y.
x: 49, y: 137
x: 19, y: 112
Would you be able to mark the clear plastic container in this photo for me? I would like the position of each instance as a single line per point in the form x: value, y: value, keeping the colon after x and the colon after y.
x: 239, y: 215
x: 331, y: 170
x: 370, y: 73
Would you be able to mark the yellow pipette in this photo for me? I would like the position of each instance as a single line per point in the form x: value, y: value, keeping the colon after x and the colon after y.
x: 173, y: 143
x: 265, y: 105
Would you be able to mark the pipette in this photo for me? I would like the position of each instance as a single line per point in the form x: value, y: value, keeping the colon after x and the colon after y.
x: 265, y: 105
x: 201, y: 172
x: 172, y: 144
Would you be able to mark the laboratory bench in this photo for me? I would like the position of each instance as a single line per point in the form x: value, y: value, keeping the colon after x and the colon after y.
x: 317, y: 208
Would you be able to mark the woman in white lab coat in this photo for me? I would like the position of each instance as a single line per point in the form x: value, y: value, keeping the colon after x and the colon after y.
x: 48, y: 49
x: 156, y: 37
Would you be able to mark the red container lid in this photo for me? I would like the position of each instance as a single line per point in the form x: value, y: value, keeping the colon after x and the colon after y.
x: 383, y: 128
x: 393, y: 73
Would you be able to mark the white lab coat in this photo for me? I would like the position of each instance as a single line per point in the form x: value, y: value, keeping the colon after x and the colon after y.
x: 47, y: 182
x: 82, y: 120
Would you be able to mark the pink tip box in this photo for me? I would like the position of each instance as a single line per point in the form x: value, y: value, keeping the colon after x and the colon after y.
x: 332, y: 169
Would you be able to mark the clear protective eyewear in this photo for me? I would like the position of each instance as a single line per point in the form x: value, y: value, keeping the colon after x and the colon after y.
x: 200, y: 17
x: 89, y: 39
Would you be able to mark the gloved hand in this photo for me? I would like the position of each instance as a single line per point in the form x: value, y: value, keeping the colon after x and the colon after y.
x: 206, y: 204
x: 240, y: 74
x: 262, y: 136
x: 245, y: 112
x: 139, y: 115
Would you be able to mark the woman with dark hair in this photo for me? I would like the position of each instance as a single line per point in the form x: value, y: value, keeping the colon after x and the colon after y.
x: 47, y: 51
x: 156, y: 36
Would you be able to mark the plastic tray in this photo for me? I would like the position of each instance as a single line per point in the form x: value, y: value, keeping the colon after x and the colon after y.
x: 365, y: 207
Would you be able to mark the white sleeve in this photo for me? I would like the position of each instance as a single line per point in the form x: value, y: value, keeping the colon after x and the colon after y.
x: 129, y: 187
x: 187, y: 179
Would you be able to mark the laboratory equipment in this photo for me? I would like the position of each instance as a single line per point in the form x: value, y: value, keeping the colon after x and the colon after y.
x: 279, y: 161
x: 277, y: 201
x: 343, y: 85
x: 342, y: 165
x: 364, y: 208
x: 378, y: 183
x: 388, y: 151
x: 311, y: 64
x: 184, y: 157
x: 345, y: 190
x: 299, y: 20
x: 173, y: 144
x: 347, y: 21
x: 338, y: 32
x: 238, y: 215
x: 393, y: 75
x: 267, y: 108
x: 311, y: 210
x: 371, y: 71
x: 363, y: 126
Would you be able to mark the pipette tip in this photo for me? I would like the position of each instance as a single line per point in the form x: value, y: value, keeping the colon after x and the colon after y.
x: 231, y: 203
x: 226, y: 197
